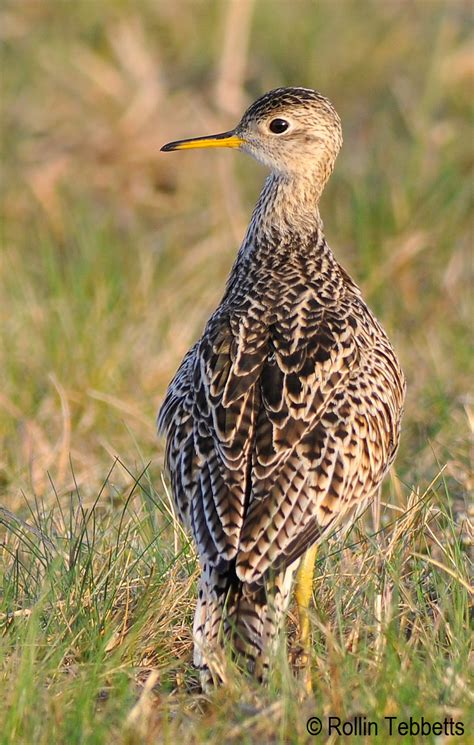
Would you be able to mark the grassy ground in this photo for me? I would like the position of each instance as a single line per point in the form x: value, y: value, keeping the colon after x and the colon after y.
x: 113, y: 256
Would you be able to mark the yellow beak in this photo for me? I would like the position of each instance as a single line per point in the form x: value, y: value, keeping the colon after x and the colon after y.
x: 226, y: 139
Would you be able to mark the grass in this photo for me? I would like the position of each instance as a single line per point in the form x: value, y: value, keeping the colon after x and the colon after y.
x: 112, y: 258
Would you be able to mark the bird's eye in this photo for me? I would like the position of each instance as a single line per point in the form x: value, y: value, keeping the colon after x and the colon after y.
x: 277, y: 126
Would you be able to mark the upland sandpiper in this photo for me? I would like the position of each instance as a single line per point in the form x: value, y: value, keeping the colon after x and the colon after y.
x: 284, y: 417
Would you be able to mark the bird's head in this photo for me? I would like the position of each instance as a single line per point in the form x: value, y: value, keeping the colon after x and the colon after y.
x: 293, y: 131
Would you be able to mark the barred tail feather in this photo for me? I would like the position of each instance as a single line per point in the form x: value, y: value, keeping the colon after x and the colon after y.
x: 248, y: 615
x: 207, y: 628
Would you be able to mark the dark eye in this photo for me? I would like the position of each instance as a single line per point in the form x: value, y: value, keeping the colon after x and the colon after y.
x: 277, y: 126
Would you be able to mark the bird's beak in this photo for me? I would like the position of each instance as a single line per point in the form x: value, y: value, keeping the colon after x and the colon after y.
x: 226, y: 139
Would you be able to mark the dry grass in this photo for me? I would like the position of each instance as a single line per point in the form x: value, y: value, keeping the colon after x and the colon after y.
x: 112, y: 258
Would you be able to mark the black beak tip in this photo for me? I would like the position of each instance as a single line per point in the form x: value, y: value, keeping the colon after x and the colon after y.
x: 166, y: 148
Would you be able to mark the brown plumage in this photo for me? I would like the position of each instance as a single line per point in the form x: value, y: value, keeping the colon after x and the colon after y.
x: 284, y: 417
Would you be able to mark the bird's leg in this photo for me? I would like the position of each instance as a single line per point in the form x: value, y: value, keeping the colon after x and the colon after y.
x: 304, y: 587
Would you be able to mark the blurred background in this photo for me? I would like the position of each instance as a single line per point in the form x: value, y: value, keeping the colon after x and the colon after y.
x: 113, y: 254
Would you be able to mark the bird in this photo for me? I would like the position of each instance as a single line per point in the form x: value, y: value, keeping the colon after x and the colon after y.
x: 284, y: 417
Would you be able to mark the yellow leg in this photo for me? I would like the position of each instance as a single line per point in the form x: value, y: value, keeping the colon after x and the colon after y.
x: 304, y: 588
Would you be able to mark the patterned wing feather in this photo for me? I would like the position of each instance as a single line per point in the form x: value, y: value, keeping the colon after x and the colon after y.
x: 209, y: 416
x: 323, y: 441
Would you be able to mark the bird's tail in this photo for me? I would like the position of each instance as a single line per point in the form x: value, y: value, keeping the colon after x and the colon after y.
x: 208, y: 623
x: 249, y: 616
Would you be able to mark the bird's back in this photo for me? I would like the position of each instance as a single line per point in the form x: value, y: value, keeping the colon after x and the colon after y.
x: 285, y: 416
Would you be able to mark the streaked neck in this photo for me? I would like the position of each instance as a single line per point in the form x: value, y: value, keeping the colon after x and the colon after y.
x: 287, y: 207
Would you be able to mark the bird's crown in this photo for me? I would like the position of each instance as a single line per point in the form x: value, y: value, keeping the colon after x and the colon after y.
x: 286, y: 98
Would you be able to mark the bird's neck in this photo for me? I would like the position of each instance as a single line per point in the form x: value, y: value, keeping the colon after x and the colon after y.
x: 287, y: 210
x: 285, y: 231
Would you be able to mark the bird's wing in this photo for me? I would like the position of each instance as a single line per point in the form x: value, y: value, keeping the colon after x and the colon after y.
x: 274, y: 434
x: 208, y: 417
x: 325, y: 432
